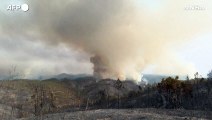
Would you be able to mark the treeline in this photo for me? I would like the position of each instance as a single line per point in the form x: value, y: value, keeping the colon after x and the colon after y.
x: 170, y: 93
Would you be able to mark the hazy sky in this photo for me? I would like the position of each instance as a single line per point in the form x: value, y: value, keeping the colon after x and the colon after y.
x: 197, y: 50
x: 23, y: 46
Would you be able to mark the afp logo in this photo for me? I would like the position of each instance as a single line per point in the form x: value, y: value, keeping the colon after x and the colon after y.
x: 23, y: 7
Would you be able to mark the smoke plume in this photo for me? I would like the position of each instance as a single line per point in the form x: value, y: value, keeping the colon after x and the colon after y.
x: 122, y: 37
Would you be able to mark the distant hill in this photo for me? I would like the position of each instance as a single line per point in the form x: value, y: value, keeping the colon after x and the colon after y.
x: 65, y: 76
x: 154, y: 78
x: 150, y: 78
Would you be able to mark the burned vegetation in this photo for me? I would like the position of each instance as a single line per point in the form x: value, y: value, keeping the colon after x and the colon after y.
x: 25, y: 98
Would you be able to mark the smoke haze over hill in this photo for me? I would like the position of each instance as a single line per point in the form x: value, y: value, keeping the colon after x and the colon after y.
x: 118, y: 37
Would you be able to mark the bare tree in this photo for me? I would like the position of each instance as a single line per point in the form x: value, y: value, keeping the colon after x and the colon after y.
x: 87, y: 104
x: 187, y: 78
x: 196, y: 75
x: 118, y: 85
x: 14, y: 73
x: 43, y: 99
x: 209, y: 74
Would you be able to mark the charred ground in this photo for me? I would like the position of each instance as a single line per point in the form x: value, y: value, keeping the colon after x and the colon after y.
x: 27, y: 98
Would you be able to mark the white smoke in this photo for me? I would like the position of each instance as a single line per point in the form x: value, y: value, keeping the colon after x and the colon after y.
x: 121, y: 38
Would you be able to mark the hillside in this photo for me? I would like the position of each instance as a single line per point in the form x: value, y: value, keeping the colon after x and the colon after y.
x: 85, y: 96
x: 29, y: 97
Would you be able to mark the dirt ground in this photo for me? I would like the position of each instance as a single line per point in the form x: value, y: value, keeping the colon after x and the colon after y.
x: 129, y: 114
